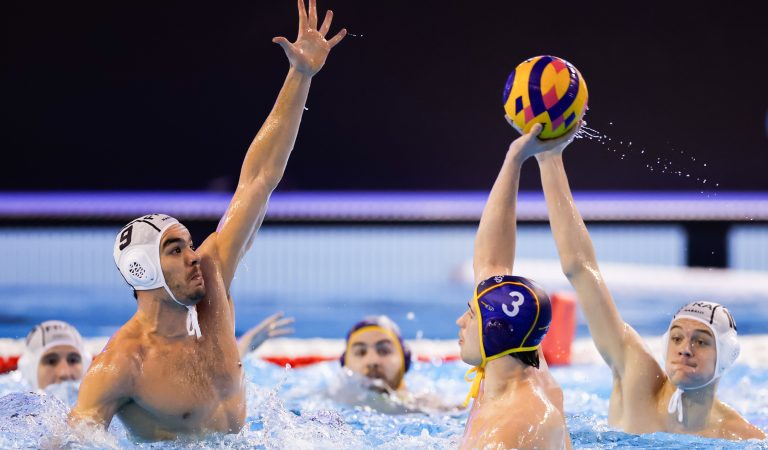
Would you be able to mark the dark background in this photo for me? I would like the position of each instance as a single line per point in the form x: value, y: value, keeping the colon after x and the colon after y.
x: 168, y: 95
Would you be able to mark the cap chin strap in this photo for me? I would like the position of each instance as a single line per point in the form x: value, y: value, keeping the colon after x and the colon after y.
x: 475, y: 388
x: 193, y: 326
x: 676, y: 401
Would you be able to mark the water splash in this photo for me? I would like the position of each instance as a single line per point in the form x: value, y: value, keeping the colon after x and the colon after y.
x: 287, y: 409
x: 667, y: 164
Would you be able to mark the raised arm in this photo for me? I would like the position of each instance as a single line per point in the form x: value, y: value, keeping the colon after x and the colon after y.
x: 268, y: 154
x: 496, y: 234
x: 613, y: 338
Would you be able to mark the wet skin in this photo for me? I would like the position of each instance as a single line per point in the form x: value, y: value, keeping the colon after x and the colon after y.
x: 175, y: 384
x: 510, y: 384
x: 642, y: 389
x: 517, y: 406
x: 161, y: 381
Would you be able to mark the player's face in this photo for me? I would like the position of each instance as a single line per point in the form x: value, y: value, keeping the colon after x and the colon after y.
x: 59, y: 363
x: 469, y: 337
x: 375, y: 354
x: 181, y: 265
x: 691, y: 354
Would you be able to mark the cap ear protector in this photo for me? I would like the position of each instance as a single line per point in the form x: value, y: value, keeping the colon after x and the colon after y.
x: 137, y: 268
x: 407, y: 358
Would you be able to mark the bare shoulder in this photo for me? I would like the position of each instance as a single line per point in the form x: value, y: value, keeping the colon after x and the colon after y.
x: 121, y: 358
x: 641, y: 369
x: 123, y: 355
x: 736, y: 427
x: 111, y: 378
x: 542, y: 425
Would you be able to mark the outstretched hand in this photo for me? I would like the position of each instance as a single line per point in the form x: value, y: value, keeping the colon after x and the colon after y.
x: 529, y: 144
x: 273, y: 326
x: 309, y: 52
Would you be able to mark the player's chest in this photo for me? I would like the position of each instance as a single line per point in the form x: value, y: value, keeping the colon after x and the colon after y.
x: 186, y: 378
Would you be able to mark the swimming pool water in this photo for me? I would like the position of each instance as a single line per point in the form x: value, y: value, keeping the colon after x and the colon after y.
x: 327, y: 287
x: 291, y: 409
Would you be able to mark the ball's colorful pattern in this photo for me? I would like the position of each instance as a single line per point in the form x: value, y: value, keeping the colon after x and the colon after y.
x: 546, y: 90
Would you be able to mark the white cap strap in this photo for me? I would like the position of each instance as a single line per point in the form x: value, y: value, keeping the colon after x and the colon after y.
x: 193, y: 326
x: 676, y: 404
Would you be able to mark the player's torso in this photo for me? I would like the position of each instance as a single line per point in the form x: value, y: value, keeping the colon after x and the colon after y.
x: 185, y: 389
x: 192, y: 385
x: 530, y: 402
x: 636, y: 405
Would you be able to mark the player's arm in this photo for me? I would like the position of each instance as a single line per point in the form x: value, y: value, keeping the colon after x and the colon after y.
x: 736, y: 427
x: 273, y: 326
x: 613, y: 338
x: 495, y: 240
x: 105, y: 389
x: 268, y: 154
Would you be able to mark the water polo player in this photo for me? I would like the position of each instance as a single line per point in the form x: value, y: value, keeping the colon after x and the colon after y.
x: 701, y: 342
x: 375, y: 349
x: 54, y: 359
x: 517, y: 402
x: 174, y: 368
x: 376, y: 360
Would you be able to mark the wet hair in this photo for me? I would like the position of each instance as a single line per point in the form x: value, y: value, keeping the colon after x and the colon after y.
x: 135, y: 294
x: 530, y: 358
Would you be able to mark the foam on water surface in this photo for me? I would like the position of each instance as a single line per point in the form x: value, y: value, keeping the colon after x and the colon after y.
x: 294, y: 409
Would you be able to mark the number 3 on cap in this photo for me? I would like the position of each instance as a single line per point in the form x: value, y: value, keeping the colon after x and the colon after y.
x: 515, y: 304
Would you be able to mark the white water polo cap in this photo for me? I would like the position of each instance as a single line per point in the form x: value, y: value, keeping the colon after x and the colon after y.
x: 137, y: 255
x: 44, y: 337
x: 720, y: 322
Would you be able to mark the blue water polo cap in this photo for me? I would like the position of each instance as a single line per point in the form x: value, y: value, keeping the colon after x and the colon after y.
x: 515, y: 314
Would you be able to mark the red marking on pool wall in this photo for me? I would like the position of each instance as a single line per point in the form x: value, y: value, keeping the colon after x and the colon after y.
x: 557, y: 343
x: 298, y: 361
x: 8, y: 363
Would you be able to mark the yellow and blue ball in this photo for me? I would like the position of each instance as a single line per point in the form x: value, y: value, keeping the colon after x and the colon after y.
x: 546, y: 90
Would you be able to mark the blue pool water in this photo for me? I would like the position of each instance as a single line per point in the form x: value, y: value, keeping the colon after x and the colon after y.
x: 328, y: 279
x: 100, y: 311
x: 290, y: 409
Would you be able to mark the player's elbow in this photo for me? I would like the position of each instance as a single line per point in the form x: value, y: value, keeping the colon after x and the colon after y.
x: 577, y: 265
x: 268, y: 178
x: 263, y: 180
x: 77, y: 420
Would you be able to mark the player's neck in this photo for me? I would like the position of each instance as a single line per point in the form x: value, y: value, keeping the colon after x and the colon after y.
x: 503, y: 374
x: 697, y: 406
x: 160, y: 315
